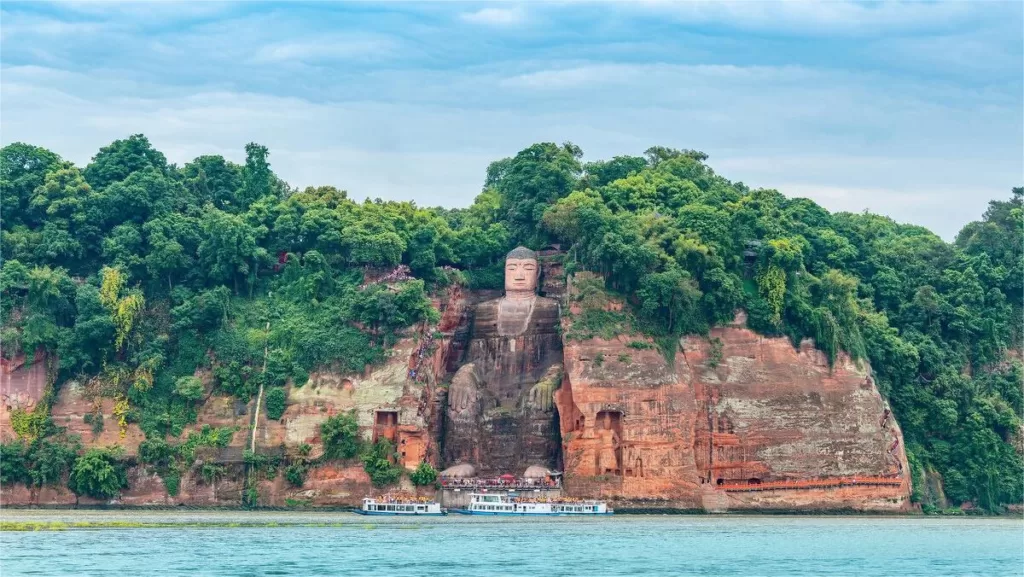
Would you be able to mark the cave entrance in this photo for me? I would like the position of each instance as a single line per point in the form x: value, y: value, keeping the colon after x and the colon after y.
x: 385, y: 425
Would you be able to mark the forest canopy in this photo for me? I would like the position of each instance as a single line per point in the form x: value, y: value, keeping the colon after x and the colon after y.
x: 135, y: 272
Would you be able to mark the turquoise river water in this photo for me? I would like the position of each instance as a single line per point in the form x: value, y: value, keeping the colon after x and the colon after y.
x: 457, y: 546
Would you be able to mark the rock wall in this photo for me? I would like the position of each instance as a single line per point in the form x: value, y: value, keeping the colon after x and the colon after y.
x: 397, y: 400
x: 736, y: 421
x: 23, y: 382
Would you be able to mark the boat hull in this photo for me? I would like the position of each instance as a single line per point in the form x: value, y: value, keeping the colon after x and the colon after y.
x: 396, y: 514
x: 526, y: 514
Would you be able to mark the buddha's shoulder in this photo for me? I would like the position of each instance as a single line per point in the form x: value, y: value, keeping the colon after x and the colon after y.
x: 539, y: 302
x: 546, y: 302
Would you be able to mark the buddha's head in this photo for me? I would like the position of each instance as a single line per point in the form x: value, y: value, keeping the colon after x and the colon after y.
x: 521, y: 272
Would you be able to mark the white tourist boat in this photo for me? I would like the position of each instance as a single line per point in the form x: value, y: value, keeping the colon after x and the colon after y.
x: 399, y: 506
x: 505, y: 504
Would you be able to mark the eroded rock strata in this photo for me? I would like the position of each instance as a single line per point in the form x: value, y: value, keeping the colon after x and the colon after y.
x: 736, y: 421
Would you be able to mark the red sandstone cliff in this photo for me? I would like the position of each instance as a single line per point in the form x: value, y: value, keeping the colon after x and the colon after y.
x: 738, y: 421
x: 777, y: 425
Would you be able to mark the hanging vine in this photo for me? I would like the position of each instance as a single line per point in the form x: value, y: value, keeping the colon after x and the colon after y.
x: 772, y: 285
x: 124, y: 310
x: 121, y: 408
x: 127, y: 311
x: 110, y: 288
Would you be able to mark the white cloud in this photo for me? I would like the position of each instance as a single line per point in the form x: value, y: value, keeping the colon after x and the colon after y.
x: 495, y: 16
x: 150, y: 10
x: 591, y: 75
x: 902, y: 138
x: 16, y: 24
x: 764, y: 126
x: 325, y: 48
x: 814, y: 18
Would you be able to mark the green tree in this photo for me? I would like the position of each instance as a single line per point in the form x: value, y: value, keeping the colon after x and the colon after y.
x: 23, y: 168
x: 189, y: 388
x: 424, y: 475
x: 378, y: 461
x: 256, y: 176
x: 535, y: 178
x: 229, y: 250
x: 99, y: 473
x: 340, y: 437
x: 276, y: 403
x: 122, y: 158
x: 295, y: 474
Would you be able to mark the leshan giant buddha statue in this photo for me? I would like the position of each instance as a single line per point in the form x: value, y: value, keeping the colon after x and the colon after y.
x: 500, y: 415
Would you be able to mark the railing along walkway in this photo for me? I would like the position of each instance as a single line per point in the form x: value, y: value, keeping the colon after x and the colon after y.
x: 814, y: 484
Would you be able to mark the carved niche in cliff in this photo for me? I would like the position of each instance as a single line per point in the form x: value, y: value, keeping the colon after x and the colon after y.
x: 501, y: 416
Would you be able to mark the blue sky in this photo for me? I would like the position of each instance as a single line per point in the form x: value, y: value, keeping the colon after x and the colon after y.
x: 913, y: 110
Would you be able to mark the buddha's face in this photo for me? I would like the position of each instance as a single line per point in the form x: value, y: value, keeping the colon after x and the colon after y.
x: 521, y: 274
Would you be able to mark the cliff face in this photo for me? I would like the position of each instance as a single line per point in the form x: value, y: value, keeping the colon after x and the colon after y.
x: 399, y: 400
x: 738, y: 421
x: 23, y: 382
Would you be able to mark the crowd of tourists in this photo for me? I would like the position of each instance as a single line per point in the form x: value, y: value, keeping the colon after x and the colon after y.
x: 559, y: 500
x: 400, y: 273
x: 500, y: 483
x: 402, y: 498
x: 422, y: 350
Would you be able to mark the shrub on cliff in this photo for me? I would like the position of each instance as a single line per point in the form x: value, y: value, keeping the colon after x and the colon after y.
x: 340, y: 436
x: 276, y: 398
x: 378, y: 462
x: 189, y: 388
x: 157, y: 452
x: 424, y: 475
x: 295, y: 474
x: 99, y: 473
x: 14, y: 466
x: 52, y: 459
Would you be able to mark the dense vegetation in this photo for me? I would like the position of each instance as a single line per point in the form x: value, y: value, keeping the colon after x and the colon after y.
x: 137, y: 272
